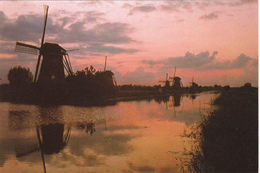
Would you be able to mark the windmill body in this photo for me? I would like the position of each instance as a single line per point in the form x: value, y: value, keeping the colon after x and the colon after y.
x: 176, y: 83
x: 167, y: 82
x: 194, y: 87
x: 51, y: 70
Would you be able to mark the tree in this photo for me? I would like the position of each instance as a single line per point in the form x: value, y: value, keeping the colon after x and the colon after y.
x: 20, y: 76
x: 90, y: 71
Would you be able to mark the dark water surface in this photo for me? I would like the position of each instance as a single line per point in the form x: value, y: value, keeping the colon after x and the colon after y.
x: 133, y: 136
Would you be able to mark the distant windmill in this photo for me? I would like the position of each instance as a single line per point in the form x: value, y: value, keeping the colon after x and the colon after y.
x: 193, y: 83
x: 167, y: 82
x: 177, y: 84
x: 52, y: 59
x: 194, y: 86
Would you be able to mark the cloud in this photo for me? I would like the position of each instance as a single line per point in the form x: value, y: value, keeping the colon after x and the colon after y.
x: 202, y: 4
x: 127, y: 5
x: 137, y: 77
x: 242, y: 2
x: 69, y: 29
x: 176, y: 6
x: 101, y: 49
x: 209, y: 16
x: 191, y: 60
x: 113, y: 33
x: 97, y: 38
x: 26, y: 28
x: 188, y: 61
x: 94, y: 16
x: 201, y: 62
x: 251, y: 72
x: 2, y: 17
x: 7, y: 48
x: 240, y: 62
x: 144, y: 8
x: 87, y: 16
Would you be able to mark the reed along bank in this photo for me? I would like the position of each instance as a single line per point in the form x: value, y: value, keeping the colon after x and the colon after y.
x: 228, y: 136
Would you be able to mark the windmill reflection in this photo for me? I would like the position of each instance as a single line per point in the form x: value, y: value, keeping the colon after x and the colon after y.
x: 52, y: 137
x: 52, y: 134
x: 177, y: 99
x: 89, y: 127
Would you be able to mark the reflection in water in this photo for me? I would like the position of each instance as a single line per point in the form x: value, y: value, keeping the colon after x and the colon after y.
x: 51, y: 134
x: 160, y: 99
x: 52, y: 129
x: 193, y: 96
x: 177, y: 99
x: 53, y: 138
x: 88, y: 127
x: 138, y: 136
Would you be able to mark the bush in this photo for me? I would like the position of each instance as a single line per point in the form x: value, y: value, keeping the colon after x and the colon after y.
x: 20, y: 77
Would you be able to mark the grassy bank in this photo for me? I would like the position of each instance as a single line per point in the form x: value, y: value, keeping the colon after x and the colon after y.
x: 228, y: 136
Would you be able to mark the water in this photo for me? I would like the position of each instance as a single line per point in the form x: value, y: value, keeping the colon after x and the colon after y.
x: 132, y: 136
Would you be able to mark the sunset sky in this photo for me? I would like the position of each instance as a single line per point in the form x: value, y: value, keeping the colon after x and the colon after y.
x: 214, y: 41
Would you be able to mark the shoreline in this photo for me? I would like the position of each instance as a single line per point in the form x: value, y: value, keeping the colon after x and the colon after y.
x: 227, y: 138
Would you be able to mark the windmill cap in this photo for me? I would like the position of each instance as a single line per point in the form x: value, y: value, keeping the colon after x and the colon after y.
x: 52, y: 48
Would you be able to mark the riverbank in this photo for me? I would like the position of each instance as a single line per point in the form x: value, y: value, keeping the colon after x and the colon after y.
x: 89, y: 96
x: 228, y: 136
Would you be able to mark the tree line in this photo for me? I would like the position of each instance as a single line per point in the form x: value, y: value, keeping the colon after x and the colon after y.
x: 87, y: 84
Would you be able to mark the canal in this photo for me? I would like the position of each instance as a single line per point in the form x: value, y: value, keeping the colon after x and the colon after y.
x: 128, y: 136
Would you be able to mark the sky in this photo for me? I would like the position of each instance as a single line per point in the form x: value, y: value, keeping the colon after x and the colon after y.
x: 212, y: 41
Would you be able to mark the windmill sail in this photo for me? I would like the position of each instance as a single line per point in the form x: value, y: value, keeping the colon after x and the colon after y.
x: 46, y: 8
x: 26, y: 48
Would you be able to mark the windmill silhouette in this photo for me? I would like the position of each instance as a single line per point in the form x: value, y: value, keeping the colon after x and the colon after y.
x: 167, y: 82
x: 193, y: 84
x: 176, y: 83
x: 52, y: 59
x: 194, y: 87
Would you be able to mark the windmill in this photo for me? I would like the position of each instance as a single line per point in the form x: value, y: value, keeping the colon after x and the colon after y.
x: 193, y: 84
x: 52, y: 59
x: 176, y: 83
x: 167, y: 82
x: 194, y: 87
x: 110, y: 78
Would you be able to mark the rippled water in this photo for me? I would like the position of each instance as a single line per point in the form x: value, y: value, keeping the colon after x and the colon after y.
x: 133, y: 136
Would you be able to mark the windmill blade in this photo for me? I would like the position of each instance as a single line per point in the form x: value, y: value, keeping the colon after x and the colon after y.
x: 66, y: 60
x: 40, y: 144
x: 46, y: 8
x: 37, y: 68
x: 71, y: 50
x: 66, y: 65
x: 26, y: 48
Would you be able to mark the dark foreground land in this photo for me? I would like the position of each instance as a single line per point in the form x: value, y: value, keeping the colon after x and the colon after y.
x: 228, y: 136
